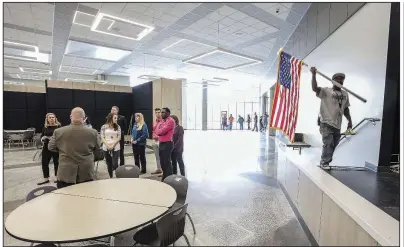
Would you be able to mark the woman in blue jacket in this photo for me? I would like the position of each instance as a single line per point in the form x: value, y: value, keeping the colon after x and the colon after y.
x: 139, y: 137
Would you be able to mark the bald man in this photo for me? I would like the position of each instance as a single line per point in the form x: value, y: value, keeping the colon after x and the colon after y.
x: 76, y: 144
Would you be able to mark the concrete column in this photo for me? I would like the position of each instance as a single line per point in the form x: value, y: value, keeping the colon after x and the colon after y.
x: 272, y: 132
x: 184, y: 105
x: 205, y: 106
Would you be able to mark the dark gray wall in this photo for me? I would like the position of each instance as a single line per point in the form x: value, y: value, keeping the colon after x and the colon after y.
x: 319, y: 22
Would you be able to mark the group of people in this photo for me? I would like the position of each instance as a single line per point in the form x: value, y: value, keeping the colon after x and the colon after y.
x: 227, y: 124
x: 72, y: 147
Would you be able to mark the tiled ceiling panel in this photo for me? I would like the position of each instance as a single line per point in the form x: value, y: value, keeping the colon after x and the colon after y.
x: 229, y: 27
x: 261, y: 49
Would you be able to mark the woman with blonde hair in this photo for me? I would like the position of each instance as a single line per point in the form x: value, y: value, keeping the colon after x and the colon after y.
x: 51, y: 123
x: 139, y: 137
x: 110, y: 137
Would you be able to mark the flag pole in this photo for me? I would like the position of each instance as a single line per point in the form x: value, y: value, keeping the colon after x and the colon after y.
x: 333, y: 81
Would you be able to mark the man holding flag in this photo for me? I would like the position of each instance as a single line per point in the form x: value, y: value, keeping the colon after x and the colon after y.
x: 334, y: 104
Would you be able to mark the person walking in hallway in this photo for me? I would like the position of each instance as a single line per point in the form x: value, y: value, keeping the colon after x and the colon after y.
x: 224, y: 122
x: 111, y: 146
x: 265, y: 121
x: 334, y: 104
x: 124, y: 128
x: 241, y: 122
x: 231, y: 120
x: 139, y: 138
x: 51, y: 123
x: 155, y: 145
x: 178, y: 142
x: 165, y: 132
x: 248, y: 121
x: 76, y: 144
x: 255, y: 122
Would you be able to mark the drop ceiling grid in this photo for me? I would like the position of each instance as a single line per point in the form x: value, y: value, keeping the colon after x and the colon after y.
x: 222, y: 25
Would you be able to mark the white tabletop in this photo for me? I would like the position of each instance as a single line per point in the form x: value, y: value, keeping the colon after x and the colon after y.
x: 14, y: 131
x: 135, y: 190
x: 65, y: 218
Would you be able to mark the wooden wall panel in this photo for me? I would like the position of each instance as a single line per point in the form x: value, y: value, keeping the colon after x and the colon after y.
x: 60, y: 84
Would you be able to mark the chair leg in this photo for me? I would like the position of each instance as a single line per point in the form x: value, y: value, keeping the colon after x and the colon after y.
x: 32, y: 244
x: 112, y: 241
x: 192, y: 223
x: 186, y: 239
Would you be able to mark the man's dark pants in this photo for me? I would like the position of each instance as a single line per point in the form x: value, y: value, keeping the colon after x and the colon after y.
x: 331, y: 137
x: 122, y: 151
x: 165, y: 149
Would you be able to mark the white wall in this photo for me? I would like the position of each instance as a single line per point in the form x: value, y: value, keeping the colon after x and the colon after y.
x: 358, y: 49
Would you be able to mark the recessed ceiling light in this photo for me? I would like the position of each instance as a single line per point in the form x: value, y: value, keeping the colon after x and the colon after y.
x: 141, y: 35
x: 24, y: 45
x: 78, y: 70
x: 36, y: 71
x: 179, y: 41
x: 75, y: 15
x: 254, y: 61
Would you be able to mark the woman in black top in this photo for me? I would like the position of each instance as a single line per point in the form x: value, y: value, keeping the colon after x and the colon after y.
x: 51, y: 123
x: 178, y: 149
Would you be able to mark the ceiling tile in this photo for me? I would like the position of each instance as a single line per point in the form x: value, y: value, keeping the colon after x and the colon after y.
x: 226, y: 10
x: 238, y: 16
x: 227, y: 21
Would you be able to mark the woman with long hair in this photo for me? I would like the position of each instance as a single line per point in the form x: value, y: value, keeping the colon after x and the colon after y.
x: 139, y: 137
x: 51, y: 123
x: 110, y: 137
x: 178, y: 141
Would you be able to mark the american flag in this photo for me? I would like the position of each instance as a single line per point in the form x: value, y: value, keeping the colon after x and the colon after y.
x: 286, y: 100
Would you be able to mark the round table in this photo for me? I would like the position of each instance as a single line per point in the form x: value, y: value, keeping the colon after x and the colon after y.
x: 72, y: 214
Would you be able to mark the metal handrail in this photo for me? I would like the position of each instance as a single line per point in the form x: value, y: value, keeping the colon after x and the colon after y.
x: 373, y: 120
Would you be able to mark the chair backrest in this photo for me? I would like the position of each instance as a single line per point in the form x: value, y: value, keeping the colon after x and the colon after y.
x: 39, y: 192
x: 28, y: 134
x: 171, y: 226
x: 33, y: 129
x: 127, y: 171
x: 38, y: 143
x: 180, y: 185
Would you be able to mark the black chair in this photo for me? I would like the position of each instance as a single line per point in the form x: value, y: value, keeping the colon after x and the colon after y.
x: 127, y: 171
x: 45, y: 245
x: 28, y: 135
x: 98, y: 156
x: 180, y: 185
x: 166, y: 231
x: 39, y: 192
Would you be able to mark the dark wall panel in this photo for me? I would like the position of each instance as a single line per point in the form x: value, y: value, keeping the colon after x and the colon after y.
x: 143, y: 96
x: 60, y: 98
x: 100, y: 118
x: 84, y: 99
x: 36, y: 101
x: 323, y: 22
x: 14, y: 100
x: 36, y: 118
x: 15, y: 119
x: 392, y: 90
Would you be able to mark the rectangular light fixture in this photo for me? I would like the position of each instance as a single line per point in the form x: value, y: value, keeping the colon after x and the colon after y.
x: 36, y: 49
x: 148, y: 77
x: 179, y: 41
x: 219, y: 50
x: 34, y: 59
x: 35, y: 70
x: 141, y: 35
x: 78, y: 68
x: 13, y: 83
x: 75, y: 15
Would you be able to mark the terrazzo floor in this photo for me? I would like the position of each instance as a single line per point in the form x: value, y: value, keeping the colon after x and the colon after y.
x: 234, y: 198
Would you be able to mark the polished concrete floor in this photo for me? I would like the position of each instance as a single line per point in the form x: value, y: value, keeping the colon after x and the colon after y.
x: 234, y: 197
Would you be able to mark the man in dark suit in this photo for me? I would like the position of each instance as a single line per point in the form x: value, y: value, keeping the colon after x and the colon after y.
x: 124, y: 128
